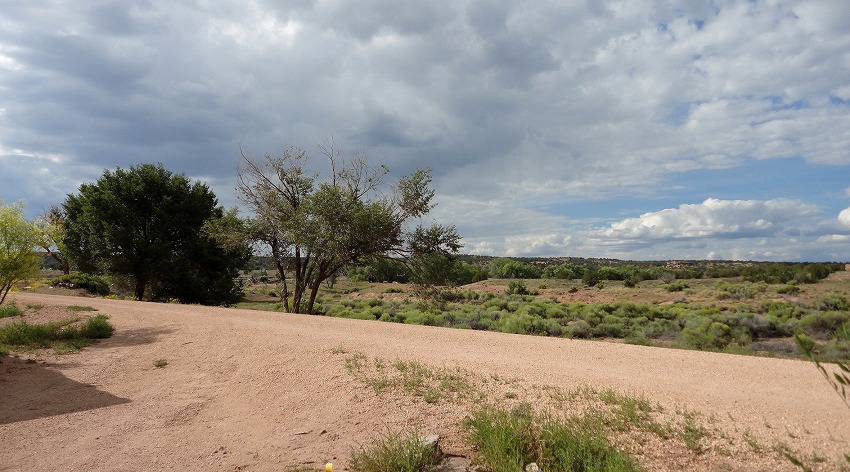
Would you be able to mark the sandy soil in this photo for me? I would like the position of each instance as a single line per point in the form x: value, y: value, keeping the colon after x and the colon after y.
x: 250, y: 390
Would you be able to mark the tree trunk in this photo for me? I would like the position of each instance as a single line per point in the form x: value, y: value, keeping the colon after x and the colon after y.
x: 141, y: 284
x: 281, y: 272
x: 314, y: 290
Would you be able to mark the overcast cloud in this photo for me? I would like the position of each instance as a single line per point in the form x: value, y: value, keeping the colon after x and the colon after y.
x: 643, y: 129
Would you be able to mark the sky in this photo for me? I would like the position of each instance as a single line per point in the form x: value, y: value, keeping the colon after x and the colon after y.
x: 633, y: 129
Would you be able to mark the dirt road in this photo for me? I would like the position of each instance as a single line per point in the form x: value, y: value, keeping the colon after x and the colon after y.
x: 250, y: 390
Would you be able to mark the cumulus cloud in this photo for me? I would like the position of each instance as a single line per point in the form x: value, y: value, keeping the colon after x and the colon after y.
x: 844, y: 217
x: 713, y: 218
x: 509, y: 102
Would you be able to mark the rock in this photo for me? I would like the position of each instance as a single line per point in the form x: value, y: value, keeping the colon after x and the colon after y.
x: 532, y: 467
x: 430, y: 441
x: 453, y: 464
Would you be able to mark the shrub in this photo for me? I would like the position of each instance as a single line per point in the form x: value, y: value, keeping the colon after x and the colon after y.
x: 97, y: 328
x: 92, y: 283
x: 740, y: 291
x: 788, y: 289
x: 504, y: 268
x: 579, y: 329
x: 517, y: 287
x: 823, y: 325
x: 676, y: 286
x: 833, y: 303
x: 609, y: 330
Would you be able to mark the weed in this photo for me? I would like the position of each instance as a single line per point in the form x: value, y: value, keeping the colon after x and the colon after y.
x: 786, y: 452
x: 160, y: 363
x: 63, y: 335
x: 81, y: 308
x: 395, y: 452
x: 751, y: 442
x: 692, y: 433
x: 33, y: 306
x: 298, y: 468
x: 9, y: 310
x: 509, y: 440
x: 432, y: 395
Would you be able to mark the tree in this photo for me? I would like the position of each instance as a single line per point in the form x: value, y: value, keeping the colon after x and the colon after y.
x: 506, y: 268
x: 157, y: 229
x: 18, y: 240
x: 51, y: 224
x: 314, y: 228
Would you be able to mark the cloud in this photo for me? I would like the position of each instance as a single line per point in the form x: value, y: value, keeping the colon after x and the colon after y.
x: 713, y: 218
x: 511, y: 103
x: 844, y: 217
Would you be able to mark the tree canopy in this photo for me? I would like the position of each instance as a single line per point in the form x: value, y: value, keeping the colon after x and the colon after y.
x: 151, y: 226
x: 315, y: 227
x: 51, y: 225
x: 18, y: 239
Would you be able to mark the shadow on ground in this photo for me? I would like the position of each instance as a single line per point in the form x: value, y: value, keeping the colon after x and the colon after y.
x: 30, y: 390
x: 134, y: 337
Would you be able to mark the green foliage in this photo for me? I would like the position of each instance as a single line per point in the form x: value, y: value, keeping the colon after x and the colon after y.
x: 26, y: 335
x: 51, y: 226
x: 517, y: 287
x: 507, y: 441
x: 158, y: 229
x: 783, y: 273
x: 823, y: 325
x: 505, y: 268
x: 567, y: 271
x: 96, y: 327
x: 314, y: 228
x: 743, y: 291
x: 395, y: 452
x: 676, y: 286
x: 591, y: 278
x: 18, y: 237
x: 833, y: 302
x: 91, y: 283
x: 9, y: 310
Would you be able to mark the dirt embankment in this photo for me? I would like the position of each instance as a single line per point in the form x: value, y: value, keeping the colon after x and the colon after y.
x: 249, y: 390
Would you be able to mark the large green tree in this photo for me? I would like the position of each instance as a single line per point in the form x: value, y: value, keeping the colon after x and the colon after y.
x: 315, y: 227
x: 18, y: 240
x: 152, y: 226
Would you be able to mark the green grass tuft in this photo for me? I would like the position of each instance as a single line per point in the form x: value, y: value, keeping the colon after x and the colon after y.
x: 507, y: 441
x: 81, y: 308
x: 64, y: 335
x: 395, y: 452
x: 9, y: 310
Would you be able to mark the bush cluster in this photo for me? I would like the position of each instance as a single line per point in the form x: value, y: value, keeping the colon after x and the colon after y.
x: 688, y: 326
x: 767, y: 272
x: 92, y: 283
